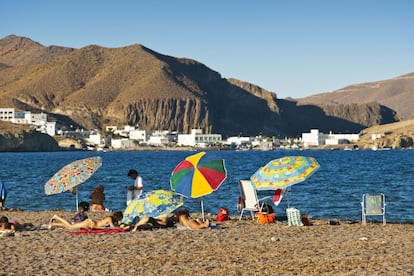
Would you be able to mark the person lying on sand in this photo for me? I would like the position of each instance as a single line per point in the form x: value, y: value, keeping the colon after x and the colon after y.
x: 149, y: 223
x: 111, y: 221
x: 183, y: 217
x: 5, y: 225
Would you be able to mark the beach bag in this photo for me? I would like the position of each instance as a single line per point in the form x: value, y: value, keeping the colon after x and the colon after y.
x: 293, y: 216
x: 264, y: 218
x: 240, y: 204
x: 223, y: 214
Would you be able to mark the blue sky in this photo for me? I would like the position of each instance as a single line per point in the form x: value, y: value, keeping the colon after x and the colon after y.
x: 293, y: 48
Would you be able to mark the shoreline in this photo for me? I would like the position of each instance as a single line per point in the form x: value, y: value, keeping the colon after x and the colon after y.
x: 233, y: 248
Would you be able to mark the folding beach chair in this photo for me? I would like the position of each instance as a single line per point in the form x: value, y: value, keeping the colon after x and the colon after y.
x: 373, y: 205
x: 249, y: 195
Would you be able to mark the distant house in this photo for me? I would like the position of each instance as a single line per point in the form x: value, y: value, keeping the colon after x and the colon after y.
x: 37, y: 120
x: 197, y: 138
x: 316, y: 138
x: 123, y: 143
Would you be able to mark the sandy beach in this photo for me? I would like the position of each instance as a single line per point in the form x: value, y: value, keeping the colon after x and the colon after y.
x: 232, y: 248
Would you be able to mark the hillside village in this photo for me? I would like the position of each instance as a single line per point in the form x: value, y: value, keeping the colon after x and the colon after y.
x: 132, y: 97
x: 131, y: 137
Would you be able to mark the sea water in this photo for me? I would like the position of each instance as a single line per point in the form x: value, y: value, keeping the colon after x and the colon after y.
x: 334, y: 191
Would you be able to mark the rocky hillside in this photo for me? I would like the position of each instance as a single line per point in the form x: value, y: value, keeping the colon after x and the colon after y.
x: 395, y: 135
x: 20, y: 138
x: 96, y: 86
x: 396, y: 94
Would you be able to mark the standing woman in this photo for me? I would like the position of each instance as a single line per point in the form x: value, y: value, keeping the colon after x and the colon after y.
x: 97, y: 198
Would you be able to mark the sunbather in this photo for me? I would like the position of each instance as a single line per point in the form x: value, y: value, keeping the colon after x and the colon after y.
x: 149, y: 223
x: 5, y: 225
x: 183, y: 217
x: 111, y: 221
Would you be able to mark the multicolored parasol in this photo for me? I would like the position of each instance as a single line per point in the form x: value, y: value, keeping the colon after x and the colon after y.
x: 73, y: 174
x: 197, y: 176
x: 279, y: 174
x: 284, y: 172
x: 156, y: 203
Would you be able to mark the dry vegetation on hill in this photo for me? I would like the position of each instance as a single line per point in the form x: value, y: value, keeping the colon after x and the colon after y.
x: 97, y: 86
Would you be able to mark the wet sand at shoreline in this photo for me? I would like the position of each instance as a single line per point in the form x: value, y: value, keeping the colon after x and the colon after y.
x: 232, y: 248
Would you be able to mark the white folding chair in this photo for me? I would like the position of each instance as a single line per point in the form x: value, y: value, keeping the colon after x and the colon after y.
x: 373, y: 205
x: 251, y: 201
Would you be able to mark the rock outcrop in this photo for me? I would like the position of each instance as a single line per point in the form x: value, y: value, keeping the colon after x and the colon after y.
x: 27, y: 141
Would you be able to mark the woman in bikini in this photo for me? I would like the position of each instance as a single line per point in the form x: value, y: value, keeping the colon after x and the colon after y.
x: 111, y: 221
x: 183, y: 218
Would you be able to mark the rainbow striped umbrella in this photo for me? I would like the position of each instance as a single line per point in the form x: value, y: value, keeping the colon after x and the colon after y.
x: 197, y: 176
x: 284, y: 172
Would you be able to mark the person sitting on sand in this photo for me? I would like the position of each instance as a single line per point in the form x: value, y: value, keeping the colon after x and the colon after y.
x: 183, y: 218
x: 111, y: 221
x: 97, y: 199
x: 83, y: 207
x: 5, y: 225
x: 149, y: 223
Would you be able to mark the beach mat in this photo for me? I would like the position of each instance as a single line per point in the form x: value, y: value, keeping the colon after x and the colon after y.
x: 98, y: 231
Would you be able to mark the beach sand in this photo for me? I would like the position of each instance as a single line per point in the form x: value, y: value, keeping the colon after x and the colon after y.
x: 232, y: 248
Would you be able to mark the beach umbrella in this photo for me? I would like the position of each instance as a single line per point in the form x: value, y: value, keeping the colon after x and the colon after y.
x: 71, y: 175
x: 281, y: 173
x: 198, y: 175
x: 156, y: 203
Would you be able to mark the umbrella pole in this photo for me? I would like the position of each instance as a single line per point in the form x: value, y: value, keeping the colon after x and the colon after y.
x: 202, y: 210
x: 77, y: 204
x: 287, y: 196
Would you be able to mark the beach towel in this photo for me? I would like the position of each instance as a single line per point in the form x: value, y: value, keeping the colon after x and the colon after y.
x: 112, y: 230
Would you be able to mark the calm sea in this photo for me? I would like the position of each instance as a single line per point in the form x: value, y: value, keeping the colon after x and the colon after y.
x: 334, y: 191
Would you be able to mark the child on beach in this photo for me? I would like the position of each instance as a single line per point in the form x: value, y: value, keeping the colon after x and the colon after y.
x: 111, y: 221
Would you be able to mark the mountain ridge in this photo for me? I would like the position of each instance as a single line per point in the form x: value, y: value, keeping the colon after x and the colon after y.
x: 395, y: 93
x: 97, y: 86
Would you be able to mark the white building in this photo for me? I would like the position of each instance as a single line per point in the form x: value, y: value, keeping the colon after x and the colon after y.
x: 51, y: 128
x: 38, y: 120
x: 138, y: 135
x: 337, y: 139
x: 196, y: 138
x: 123, y: 143
x: 95, y: 139
x: 238, y: 141
x: 7, y: 114
x: 316, y: 138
